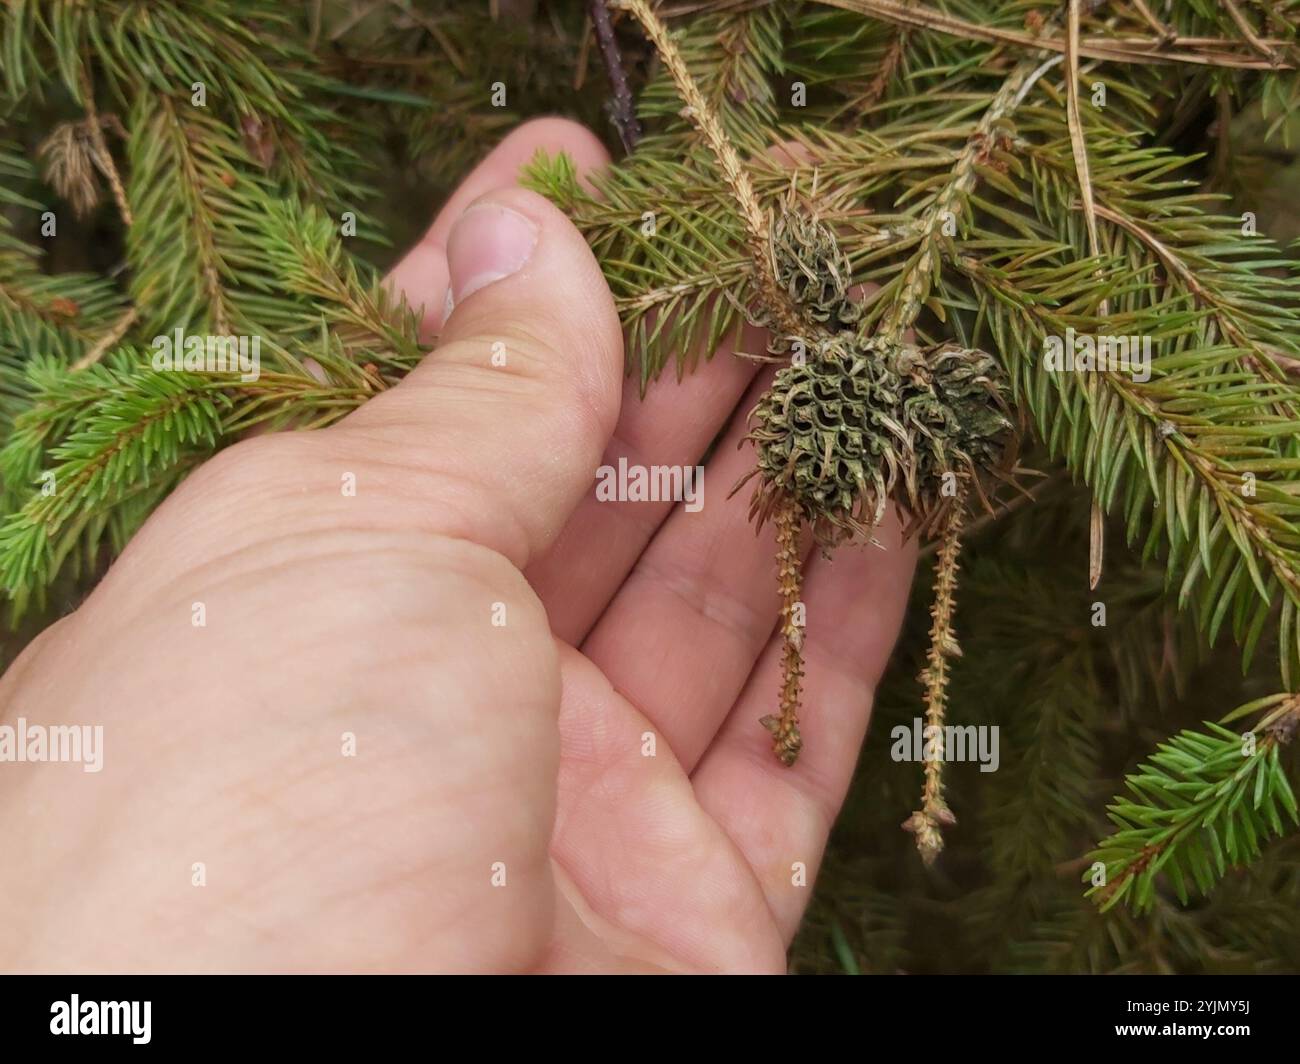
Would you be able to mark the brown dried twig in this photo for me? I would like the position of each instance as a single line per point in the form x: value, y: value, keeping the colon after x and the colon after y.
x: 622, y: 107
x: 105, y: 343
x: 1079, y: 147
x: 1204, y: 51
x: 928, y: 822
x: 786, y: 741
x: 100, y: 155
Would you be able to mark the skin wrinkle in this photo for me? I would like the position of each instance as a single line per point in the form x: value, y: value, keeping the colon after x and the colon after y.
x: 574, y: 876
x: 704, y: 596
x: 399, y: 511
x: 377, y: 815
x: 342, y: 556
x: 629, y: 957
x: 588, y: 782
x: 644, y: 519
x: 511, y: 529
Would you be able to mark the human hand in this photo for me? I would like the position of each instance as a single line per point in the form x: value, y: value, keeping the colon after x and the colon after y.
x: 514, y: 804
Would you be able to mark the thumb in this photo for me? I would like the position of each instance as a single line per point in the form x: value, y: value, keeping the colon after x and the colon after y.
x: 504, y: 423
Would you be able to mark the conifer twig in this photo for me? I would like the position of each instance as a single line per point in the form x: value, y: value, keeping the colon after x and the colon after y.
x: 1253, y: 527
x: 1216, y: 52
x: 621, y: 105
x: 1079, y: 148
x: 786, y: 741
x: 1078, y: 144
x: 1202, y: 803
x: 888, y: 67
x: 1247, y: 30
x: 106, y: 342
x: 1166, y: 33
x: 102, y: 157
x: 757, y: 226
x: 927, y: 823
x: 914, y: 284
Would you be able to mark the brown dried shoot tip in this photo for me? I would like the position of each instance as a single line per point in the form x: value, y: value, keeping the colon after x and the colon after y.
x: 786, y: 740
x: 934, y: 815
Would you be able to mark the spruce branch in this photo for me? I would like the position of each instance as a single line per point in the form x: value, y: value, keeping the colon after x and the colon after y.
x: 1063, y: 216
x: 143, y: 429
x: 757, y: 225
x: 239, y: 51
x: 43, y: 314
x: 680, y: 287
x: 1226, y: 313
x: 193, y: 187
x: 905, y: 295
x: 1202, y: 803
x: 1217, y: 535
x: 305, y: 252
x: 732, y: 55
x: 51, y: 313
x: 93, y: 443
